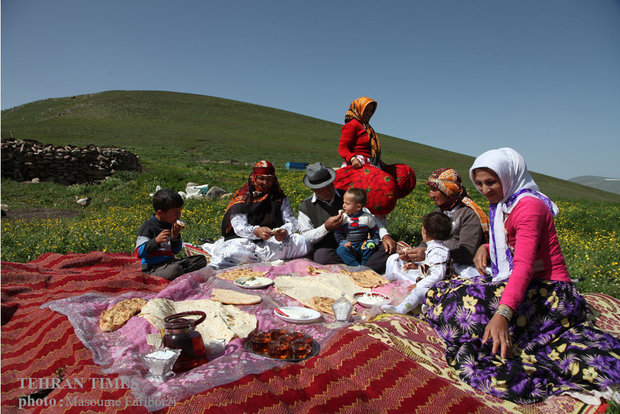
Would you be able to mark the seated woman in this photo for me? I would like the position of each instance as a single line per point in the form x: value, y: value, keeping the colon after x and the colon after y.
x: 470, y: 229
x: 258, y: 224
x: 521, y: 333
x: 360, y: 147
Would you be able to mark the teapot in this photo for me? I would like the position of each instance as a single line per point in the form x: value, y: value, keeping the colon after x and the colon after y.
x: 181, y: 334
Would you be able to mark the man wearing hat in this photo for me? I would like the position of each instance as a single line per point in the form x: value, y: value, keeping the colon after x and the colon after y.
x: 320, y: 214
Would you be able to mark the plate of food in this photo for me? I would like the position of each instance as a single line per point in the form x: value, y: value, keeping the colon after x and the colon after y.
x: 253, y: 282
x: 297, y: 314
x: 370, y: 299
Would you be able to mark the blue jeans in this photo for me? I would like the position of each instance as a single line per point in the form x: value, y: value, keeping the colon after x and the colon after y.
x: 354, y: 255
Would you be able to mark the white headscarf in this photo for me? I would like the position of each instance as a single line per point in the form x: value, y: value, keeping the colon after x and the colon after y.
x: 517, y: 183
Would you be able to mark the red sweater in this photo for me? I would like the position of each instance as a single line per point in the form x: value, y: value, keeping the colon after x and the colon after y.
x: 354, y: 140
x: 531, y: 233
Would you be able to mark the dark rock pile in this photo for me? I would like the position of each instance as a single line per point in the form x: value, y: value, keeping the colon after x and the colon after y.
x: 25, y: 160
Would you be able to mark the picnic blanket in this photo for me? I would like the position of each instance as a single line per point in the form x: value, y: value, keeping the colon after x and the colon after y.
x: 393, y: 363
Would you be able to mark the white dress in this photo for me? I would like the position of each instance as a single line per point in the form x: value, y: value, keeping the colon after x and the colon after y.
x: 248, y: 248
x: 437, y: 256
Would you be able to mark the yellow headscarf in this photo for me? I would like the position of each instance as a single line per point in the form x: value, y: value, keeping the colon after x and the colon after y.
x: 448, y: 181
x: 356, y: 109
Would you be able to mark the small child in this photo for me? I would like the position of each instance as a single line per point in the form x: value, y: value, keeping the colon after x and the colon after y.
x: 159, y: 239
x: 436, y: 228
x: 358, y: 236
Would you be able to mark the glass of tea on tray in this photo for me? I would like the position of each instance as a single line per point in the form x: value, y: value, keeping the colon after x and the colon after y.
x: 298, y: 335
x: 279, y: 349
x: 300, y: 348
x: 276, y: 333
x: 286, y: 337
x: 260, y: 342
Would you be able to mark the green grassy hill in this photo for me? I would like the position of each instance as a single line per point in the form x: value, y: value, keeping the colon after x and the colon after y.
x: 162, y: 127
x: 609, y: 184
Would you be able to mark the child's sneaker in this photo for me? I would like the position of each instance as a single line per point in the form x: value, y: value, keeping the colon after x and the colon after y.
x: 389, y: 309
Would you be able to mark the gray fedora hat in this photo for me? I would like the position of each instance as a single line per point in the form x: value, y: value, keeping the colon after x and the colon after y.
x: 318, y: 176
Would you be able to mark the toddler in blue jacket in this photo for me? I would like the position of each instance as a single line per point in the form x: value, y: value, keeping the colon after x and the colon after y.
x: 358, y: 236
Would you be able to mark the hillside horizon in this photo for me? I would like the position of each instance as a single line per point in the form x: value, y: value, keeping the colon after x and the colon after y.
x: 608, y: 184
x: 158, y: 125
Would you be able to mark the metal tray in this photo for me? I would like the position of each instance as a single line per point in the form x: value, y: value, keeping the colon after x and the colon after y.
x: 315, y: 351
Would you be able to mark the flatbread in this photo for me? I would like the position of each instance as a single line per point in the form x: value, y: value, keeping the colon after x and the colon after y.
x: 231, y: 297
x: 330, y: 285
x: 222, y: 321
x: 315, y: 270
x: 237, y: 273
x: 322, y: 304
x: 118, y: 315
x: 366, y: 278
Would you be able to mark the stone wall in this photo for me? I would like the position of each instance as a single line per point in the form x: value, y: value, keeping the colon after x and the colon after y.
x: 24, y: 160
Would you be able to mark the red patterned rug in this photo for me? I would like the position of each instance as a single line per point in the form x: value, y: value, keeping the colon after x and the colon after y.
x: 391, y: 364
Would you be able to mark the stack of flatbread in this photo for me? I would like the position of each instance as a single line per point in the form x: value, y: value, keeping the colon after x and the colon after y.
x: 222, y: 322
x: 232, y: 297
x: 318, y: 292
x: 316, y: 270
x: 366, y: 278
x: 118, y: 315
x: 237, y: 273
x: 322, y: 304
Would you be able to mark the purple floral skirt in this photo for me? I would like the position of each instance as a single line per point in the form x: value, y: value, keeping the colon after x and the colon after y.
x: 555, y: 347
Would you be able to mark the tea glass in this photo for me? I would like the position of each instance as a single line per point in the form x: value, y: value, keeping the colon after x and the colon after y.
x: 260, y: 342
x: 300, y: 349
x: 279, y: 349
x: 276, y: 333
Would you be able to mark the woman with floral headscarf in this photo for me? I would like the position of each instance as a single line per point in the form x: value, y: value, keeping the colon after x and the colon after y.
x: 258, y: 224
x: 523, y: 332
x: 362, y: 166
x: 359, y: 143
x: 470, y: 228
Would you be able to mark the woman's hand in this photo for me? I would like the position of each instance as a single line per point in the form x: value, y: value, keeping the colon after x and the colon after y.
x: 497, y: 330
x: 481, y: 259
x: 355, y: 163
x: 280, y: 234
x: 263, y: 232
x: 416, y: 254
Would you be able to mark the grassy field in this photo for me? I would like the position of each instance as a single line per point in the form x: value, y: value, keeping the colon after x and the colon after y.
x: 176, y: 134
x: 179, y: 129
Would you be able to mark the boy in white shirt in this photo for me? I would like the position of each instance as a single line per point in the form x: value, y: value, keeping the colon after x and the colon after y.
x: 436, y: 228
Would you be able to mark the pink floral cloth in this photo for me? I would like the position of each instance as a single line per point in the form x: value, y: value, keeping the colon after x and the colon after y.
x: 120, y: 351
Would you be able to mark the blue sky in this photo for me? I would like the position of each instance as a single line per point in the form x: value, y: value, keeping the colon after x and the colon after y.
x: 542, y: 76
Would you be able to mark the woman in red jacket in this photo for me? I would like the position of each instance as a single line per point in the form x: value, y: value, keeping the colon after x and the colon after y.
x: 359, y: 143
x: 360, y: 150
